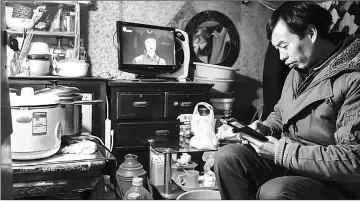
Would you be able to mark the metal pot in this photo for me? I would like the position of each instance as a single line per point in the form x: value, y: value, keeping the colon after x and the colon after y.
x: 71, y: 102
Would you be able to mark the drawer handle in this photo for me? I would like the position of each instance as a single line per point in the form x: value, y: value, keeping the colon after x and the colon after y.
x: 140, y: 104
x: 186, y: 104
x: 162, y: 132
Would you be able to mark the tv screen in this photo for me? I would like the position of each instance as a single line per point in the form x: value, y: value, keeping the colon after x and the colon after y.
x: 146, y: 49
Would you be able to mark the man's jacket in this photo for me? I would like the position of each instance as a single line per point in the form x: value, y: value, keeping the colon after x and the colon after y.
x: 319, y: 122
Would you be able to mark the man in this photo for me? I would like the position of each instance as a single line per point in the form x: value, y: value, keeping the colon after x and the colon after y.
x: 313, y: 150
x: 149, y: 56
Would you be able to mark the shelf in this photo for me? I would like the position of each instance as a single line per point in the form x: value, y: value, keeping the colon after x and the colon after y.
x: 43, y: 33
x: 51, y: 2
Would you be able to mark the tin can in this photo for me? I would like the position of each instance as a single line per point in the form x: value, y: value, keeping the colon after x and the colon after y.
x: 68, y: 23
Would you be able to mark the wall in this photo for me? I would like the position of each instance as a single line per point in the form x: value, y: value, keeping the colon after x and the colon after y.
x: 98, y: 28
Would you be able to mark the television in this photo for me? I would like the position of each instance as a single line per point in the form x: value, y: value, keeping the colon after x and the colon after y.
x: 151, y: 51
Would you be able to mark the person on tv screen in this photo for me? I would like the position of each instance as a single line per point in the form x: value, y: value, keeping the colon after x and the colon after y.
x: 149, y: 56
x: 313, y: 151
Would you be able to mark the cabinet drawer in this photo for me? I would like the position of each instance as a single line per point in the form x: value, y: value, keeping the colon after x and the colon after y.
x: 182, y: 103
x: 139, y: 105
x: 131, y: 134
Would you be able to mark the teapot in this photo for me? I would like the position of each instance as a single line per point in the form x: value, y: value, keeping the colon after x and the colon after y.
x: 184, y: 159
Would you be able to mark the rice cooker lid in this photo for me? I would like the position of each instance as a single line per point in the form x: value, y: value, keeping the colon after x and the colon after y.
x: 58, y: 90
x: 34, y: 100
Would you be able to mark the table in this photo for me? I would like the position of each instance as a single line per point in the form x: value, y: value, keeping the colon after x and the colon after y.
x: 168, y: 146
x: 63, y: 173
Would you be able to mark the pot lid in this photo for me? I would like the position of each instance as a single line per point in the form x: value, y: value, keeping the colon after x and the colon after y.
x: 58, y: 90
x: 71, y: 97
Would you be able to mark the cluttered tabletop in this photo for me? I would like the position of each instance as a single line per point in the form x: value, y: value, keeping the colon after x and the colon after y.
x: 74, y: 154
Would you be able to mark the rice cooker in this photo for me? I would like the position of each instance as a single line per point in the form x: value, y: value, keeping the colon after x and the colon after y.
x: 36, y: 121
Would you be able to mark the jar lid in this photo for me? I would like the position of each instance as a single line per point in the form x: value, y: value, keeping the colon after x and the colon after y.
x: 39, y: 56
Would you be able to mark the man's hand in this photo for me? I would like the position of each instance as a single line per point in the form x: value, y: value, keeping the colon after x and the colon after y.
x: 259, y: 127
x: 264, y: 149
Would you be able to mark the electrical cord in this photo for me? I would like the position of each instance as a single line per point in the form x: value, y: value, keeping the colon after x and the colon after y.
x: 116, y: 182
x: 116, y: 193
x: 257, y: 113
x: 266, y: 4
x: 100, y: 142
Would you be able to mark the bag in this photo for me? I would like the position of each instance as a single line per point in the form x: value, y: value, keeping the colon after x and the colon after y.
x: 203, y: 128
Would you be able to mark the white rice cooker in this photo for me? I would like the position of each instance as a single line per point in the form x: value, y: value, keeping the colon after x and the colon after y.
x: 36, y: 121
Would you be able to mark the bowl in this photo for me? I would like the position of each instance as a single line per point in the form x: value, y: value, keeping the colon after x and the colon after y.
x: 220, y: 85
x: 214, y: 71
x: 200, y: 195
x: 72, y: 68
x: 19, y: 17
x: 39, y: 48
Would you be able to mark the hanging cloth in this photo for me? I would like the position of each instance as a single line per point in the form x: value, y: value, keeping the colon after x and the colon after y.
x: 218, y: 46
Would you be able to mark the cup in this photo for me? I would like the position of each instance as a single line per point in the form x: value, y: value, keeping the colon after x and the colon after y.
x: 190, y: 178
x: 209, y: 181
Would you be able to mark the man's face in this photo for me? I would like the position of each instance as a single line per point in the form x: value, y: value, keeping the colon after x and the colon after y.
x: 150, y: 45
x: 296, y: 52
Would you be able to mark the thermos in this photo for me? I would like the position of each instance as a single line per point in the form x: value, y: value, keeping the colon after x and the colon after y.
x: 127, y: 170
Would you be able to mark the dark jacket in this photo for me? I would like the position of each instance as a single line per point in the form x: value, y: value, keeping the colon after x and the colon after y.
x: 319, y: 126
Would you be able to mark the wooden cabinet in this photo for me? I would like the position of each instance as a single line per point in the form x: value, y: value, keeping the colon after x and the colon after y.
x: 87, y: 85
x: 139, y: 110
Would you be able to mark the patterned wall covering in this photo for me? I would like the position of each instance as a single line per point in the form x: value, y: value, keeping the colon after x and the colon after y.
x: 345, y: 15
x: 102, y: 26
x: 98, y: 28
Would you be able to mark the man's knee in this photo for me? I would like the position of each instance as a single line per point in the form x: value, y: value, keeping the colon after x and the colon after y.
x: 274, y: 189
x: 230, y: 153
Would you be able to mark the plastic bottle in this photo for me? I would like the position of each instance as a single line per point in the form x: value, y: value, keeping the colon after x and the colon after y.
x: 137, y: 188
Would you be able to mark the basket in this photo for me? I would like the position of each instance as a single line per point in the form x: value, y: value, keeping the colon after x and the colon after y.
x: 22, y: 11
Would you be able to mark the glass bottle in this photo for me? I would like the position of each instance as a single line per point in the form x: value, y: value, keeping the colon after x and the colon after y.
x: 137, y: 188
x: 82, y: 51
x: 59, y: 51
x: 58, y: 54
x: 15, y: 69
x: 70, y: 50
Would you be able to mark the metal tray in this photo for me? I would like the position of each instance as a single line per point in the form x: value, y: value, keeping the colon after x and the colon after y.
x: 175, y: 175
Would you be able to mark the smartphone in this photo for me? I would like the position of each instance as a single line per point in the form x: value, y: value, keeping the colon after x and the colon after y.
x: 243, y: 128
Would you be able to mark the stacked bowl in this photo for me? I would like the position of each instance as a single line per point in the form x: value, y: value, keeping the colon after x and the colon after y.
x: 223, y: 78
x: 39, y: 59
